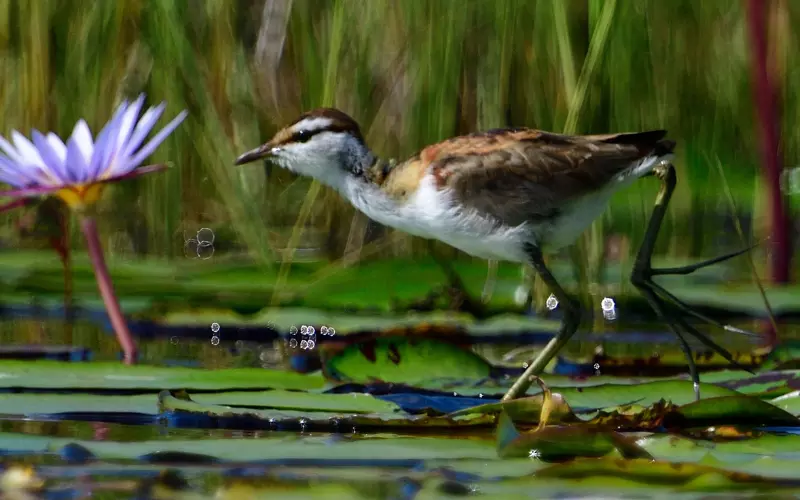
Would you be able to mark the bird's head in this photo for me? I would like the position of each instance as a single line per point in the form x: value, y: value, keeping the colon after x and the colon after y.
x: 325, y: 144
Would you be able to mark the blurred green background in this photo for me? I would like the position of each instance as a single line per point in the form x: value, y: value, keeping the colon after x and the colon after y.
x: 411, y: 72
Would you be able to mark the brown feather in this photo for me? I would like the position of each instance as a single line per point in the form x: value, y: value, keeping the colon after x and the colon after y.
x: 522, y: 174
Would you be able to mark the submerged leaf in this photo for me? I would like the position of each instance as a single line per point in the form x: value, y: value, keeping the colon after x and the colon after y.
x: 554, y: 443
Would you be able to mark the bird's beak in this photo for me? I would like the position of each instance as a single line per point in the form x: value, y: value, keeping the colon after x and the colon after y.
x: 258, y: 153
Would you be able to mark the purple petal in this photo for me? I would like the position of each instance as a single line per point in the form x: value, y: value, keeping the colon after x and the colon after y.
x: 49, y: 156
x: 18, y: 164
x: 59, y: 148
x: 103, y: 147
x: 75, y: 163
x: 27, y: 151
x: 111, y: 155
x: 145, y: 125
x: 83, y: 137
x: 151, y: 146
x: 136, y: 172
x: 128, y: 121
x: 10, y: 178
x: 33, y: 160
x: 10, y: 150
x: 10, y: 174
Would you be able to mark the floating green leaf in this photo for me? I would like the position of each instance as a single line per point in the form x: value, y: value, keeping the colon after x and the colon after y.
x: 27, y: 404
x: 403, y: 360
x: 661, y: 473
x: 115, y: 376
x: 730, y: 410
x: 338, y: 422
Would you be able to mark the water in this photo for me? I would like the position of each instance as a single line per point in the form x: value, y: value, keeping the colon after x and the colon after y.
x: 239, y: 411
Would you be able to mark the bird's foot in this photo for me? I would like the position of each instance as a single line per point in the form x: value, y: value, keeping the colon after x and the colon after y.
x: 674, y: 311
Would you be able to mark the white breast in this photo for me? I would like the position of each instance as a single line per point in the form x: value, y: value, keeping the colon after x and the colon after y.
x: 431, y: 213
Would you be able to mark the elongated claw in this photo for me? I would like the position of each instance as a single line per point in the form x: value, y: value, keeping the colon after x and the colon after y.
x: 686, y: 308
x: 682, y: 270
x: 658, y: 297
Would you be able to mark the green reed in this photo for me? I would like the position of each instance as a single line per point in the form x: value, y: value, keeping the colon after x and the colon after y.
x: 411, y: 72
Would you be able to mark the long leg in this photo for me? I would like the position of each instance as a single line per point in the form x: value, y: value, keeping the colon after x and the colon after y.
x: 572, y: 319
x: 643, y: 273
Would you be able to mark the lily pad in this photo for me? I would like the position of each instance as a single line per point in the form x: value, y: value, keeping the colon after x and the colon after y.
x: 40, y: 404
x: 403, y: 360
x: 179, y: 405
x: 731, y: 410
x: 676, y: 475
x: 117, y: 377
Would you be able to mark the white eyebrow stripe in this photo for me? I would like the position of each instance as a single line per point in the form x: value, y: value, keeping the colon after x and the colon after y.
x: 313, y: 124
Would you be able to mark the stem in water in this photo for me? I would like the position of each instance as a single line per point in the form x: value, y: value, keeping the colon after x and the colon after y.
x: 89, y: 228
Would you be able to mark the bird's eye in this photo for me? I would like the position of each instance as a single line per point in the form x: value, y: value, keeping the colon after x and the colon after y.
x: 302, y: 136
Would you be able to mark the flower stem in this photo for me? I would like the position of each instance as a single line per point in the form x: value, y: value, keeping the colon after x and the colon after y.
x: 89, y: 228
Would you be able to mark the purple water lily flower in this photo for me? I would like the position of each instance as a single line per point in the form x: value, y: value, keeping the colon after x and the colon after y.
x: 77, y: 171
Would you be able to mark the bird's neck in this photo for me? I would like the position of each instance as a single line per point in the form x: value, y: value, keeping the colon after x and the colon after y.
x: 366, y: 185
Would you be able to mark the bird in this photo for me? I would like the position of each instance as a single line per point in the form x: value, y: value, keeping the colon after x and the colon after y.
x: 509, y: 194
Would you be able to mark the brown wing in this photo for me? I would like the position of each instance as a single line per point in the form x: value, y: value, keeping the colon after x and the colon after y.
x: 525, y: 174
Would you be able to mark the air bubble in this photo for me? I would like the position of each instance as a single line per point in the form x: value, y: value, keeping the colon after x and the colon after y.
x: 214, y: 340
x: 552, y: 302
x: 304, y: 344
x: 205, y: 251
x: 293, y: 330
x: 311, y: 344
x: 303, y: 330
x: 323, y: 330
x: 206, y: 236
x: 215, y: 327
x: 293, y: 343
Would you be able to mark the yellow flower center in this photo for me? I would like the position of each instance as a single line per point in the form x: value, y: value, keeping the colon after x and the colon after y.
x: 79, y: 196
